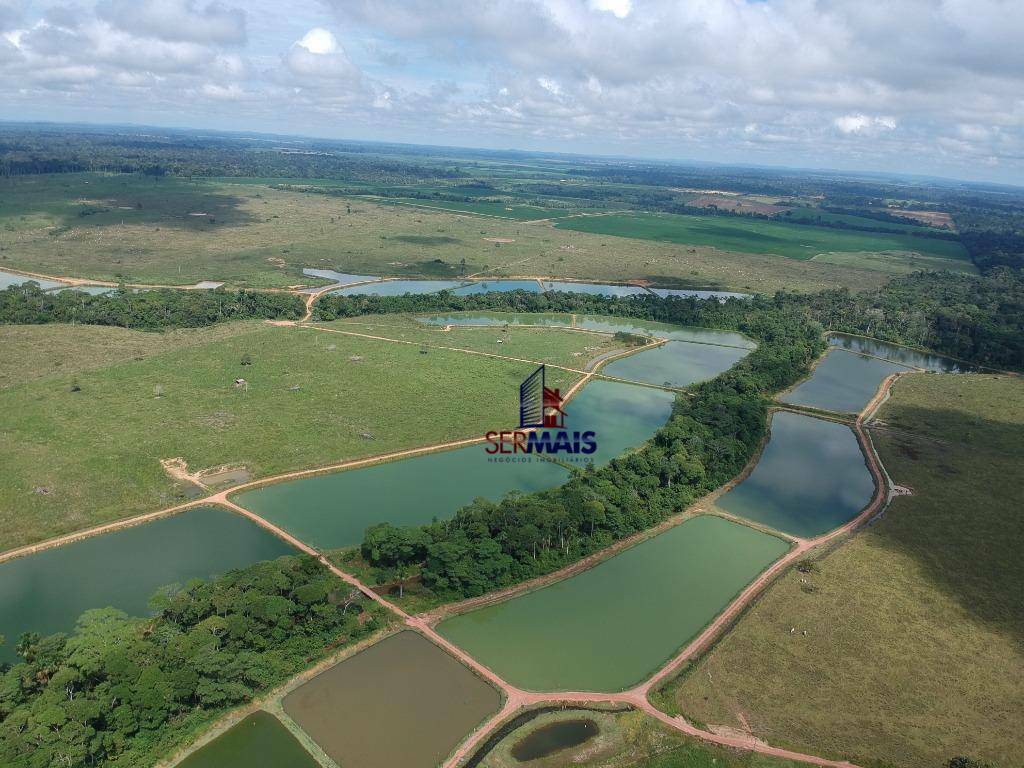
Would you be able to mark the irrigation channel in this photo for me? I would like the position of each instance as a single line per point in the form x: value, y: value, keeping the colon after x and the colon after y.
x: 607, y: 631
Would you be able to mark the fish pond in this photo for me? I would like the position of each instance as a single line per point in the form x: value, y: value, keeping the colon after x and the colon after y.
x: 843, y: 381
x: 596, y: 289
x: 7, y: 279
x: 898, y: 354
x: 47, y: 591
x: 554, y: 737
x: 611, y: 626
x: 397, y: 288
x: 401, y: 702
x: 675, y: 363
x: 811, y: 478
x: 257, y: 741
x: 334, y: 510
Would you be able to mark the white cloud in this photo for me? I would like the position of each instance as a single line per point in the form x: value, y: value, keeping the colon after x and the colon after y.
x: 319, y: 41
x: 619, y: 8
x: 181, y: 20
x: 860, y: 123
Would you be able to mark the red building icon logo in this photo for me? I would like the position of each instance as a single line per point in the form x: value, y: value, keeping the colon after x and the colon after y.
x: 554, y: 416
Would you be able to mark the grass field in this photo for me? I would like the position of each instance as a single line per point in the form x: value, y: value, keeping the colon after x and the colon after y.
x: 626, y: 739
x: 759, y: 236
x: 34, y: 351
x: 914, y: 651
x: 76, y: 458
x: 264, y: 237
x: 565, y: 348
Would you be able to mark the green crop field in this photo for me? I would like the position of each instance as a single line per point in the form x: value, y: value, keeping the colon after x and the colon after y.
x: 817, y: 215
x: 759, y: 236
x: 914, y: 628
x: 82, y: 440
x: 90, y: 225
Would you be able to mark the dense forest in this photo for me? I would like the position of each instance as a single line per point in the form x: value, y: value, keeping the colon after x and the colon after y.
x: 128, y: 691
x: 712, y: 433
x: 975, y: 318
x: 26, y: 304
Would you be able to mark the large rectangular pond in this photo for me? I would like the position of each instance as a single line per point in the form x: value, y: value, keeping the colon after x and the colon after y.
x: 811, y: 478
x: 675, y: 363
x: 402, y: 702
x: 342, y: 278
x: 257, y: 741
x: 398, y: 288
x: 334, y: 510
x: 46, y: 592
x: 843, y: 381
x: 665, y: 331
x: 612, y: 626
x: 898, y: 354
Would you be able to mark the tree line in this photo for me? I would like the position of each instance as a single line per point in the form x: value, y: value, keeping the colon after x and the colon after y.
x: 126, y: 691
x: 27, y: 304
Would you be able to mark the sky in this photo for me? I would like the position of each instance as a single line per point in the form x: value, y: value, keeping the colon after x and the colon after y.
x: 909, y: 86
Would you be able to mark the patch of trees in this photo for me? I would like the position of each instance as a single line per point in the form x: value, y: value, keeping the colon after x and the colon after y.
x: 975, y: 318
x: 27, y: 304
x: 126, y: 691
x: 712, y: 433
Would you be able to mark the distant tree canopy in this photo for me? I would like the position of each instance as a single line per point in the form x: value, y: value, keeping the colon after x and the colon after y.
x: 151, y: 309
x: 127, y: 691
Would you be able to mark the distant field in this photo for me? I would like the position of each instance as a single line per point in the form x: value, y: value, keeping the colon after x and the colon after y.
x: 759, y: 236
x: 263, y: 237
x: 915, y: 627
x: 76, y: 458
x: 501, y: 210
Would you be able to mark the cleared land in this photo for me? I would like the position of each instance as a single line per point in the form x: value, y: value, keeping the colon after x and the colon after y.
x: 626, y: 739
x: 90, y: 225
x: 794, y: 241
x: 531, y: 342
x: 76, y: 458
x: 35, y: 351
x: 913, y: 652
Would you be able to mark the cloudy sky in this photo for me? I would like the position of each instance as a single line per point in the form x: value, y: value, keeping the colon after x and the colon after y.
x: 927, y: 86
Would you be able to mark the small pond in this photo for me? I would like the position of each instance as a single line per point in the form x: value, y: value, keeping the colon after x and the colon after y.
x: 554, y: 737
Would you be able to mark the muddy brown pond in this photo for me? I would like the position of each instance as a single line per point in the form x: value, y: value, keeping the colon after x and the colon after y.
x: 402, y: 702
